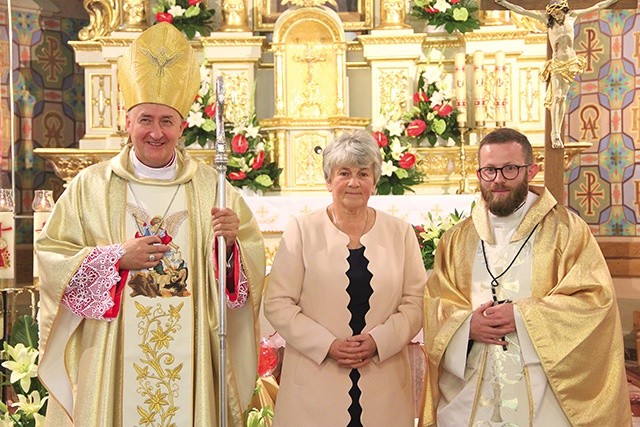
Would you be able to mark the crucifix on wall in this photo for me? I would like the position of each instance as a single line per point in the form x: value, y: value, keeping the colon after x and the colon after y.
x: 563, y: 65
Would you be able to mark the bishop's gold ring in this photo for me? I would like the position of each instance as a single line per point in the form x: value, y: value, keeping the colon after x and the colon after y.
x: 152, y: 257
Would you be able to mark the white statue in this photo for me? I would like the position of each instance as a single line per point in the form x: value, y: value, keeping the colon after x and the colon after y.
x: 564, y: 64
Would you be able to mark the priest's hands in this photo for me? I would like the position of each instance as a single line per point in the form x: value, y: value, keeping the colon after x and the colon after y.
x: 490, y: 323
x: 225, y: 222
x: 354, y: 352
x: 142, y: 252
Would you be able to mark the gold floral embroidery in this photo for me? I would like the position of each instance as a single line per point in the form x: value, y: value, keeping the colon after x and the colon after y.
x: 157, y: 373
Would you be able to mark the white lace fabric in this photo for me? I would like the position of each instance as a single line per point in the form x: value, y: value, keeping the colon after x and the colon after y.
x: 88, y: 292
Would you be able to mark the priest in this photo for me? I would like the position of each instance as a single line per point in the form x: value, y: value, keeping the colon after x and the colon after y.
x: 128, y: 311
x: 521, y: 322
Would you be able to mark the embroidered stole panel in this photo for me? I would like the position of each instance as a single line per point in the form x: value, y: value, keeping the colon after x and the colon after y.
x: 503, y: 393
x: 158, y: 310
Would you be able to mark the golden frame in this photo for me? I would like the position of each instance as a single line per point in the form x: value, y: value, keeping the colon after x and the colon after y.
x: 358, y: 15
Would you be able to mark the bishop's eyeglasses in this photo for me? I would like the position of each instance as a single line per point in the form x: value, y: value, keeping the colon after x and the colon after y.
x: 508, y: 172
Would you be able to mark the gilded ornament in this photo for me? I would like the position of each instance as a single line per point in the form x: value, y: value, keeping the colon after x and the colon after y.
x: 309, y: 3
x: 392, y: 15
x: 134, y: 15
x: 104, y: 17
x: 234, y: 16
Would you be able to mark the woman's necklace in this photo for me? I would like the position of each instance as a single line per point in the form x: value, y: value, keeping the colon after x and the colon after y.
x: 135, y: 219
x: 334, y: 219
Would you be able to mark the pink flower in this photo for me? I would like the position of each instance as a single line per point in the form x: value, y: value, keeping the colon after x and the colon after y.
x: 407, y: 161
x: 237, y: 176
x: 210, y: 110
x: 416, y: 128
x: 420, y: 96
x: 239, y: 144
x: 455, y: 1
x: 443, y: 110
x: 164, y: 17
x: 258, y: 161
x: 381, y: 139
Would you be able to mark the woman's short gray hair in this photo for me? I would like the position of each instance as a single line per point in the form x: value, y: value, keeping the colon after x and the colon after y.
x: 357, y: 148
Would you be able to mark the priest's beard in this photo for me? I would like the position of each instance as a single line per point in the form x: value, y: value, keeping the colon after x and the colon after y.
x: 505, y: 206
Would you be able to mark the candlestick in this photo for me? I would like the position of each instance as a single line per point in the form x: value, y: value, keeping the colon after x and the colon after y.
x: 42, y: 206
x: 501, y: 102
x: 478, y: 88
x: 7, y: 237
x: 460, y: 83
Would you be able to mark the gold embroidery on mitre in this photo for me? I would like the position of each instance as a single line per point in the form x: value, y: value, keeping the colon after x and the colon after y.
x: 157, y: 62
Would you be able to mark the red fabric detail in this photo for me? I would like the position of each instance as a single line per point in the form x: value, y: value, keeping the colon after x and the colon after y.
x: 116, y: 293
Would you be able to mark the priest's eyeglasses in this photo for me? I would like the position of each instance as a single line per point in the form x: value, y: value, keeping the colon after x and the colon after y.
x: 508, y: 172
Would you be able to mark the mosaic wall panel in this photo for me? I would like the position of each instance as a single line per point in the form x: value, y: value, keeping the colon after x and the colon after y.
x: 49, y: 103
x: 603, y: 185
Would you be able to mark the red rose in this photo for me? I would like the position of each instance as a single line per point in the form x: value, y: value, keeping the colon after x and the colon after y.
x: 195, y: 2
x: 164, y: 17
x: 420, y: 97
x: 407, y: 161
x: 268, y: 360
x: 239, y: 144
x: 237, y: 176
x: 258, y: 161
x: 416, y: 128
x: 381, y: 139
x: 419, y: 228
x: 431, y: 10
x: 210, y: 110
x: 444, y: 110
x: 455, y: 1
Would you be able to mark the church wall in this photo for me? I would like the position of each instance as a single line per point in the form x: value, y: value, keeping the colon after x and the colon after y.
x: 603, y: 184
x: 49, y: 105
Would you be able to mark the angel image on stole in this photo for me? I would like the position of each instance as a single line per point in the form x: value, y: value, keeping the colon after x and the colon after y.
x: 169, y: 277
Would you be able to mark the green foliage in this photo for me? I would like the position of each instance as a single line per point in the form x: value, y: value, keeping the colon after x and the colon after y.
x: 185, y: 15
x: 452, y: 15
x: 429, y: 234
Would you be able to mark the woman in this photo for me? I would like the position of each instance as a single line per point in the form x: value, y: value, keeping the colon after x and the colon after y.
x: 345, y: 292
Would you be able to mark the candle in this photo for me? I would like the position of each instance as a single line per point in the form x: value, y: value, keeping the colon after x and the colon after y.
x: 42, y: 206
x: 478, y: 88
x: 460, y: 83
x: 7, y: 237
x: 501, y: 88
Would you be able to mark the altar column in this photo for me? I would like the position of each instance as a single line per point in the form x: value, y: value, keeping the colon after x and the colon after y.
x: 234, y: 56
x: 393, y: 55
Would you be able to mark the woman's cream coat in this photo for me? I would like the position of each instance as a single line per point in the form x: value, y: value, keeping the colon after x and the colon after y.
x: 306, y: 302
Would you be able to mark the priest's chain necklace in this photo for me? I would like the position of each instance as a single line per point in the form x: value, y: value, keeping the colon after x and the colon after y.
x: 494, y: 279
x: 153, y: 233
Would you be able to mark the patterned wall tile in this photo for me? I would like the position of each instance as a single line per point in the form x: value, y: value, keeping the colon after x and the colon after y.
x: 52, y: 59
x: 588, y: 194
x: 604, y: 108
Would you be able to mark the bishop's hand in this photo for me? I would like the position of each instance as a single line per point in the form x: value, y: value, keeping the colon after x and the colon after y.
x: 142, y: 252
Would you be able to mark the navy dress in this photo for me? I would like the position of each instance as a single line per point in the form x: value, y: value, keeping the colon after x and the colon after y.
x: 359, y: 290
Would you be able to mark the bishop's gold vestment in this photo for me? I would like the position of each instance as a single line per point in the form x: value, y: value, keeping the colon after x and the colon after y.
x: 81, y: 359
x: 571, y: 316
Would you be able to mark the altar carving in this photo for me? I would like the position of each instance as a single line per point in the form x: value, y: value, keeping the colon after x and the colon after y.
x: 104, y: 17
x: 309, y: 49
x: 311, y: 95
